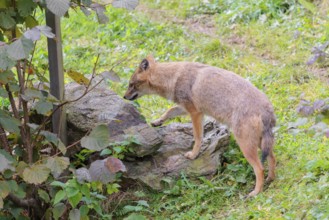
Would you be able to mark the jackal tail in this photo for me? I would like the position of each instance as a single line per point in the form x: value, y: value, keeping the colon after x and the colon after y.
x: 267, y: 138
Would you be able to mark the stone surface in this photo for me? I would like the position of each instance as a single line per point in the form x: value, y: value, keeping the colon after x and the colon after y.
x: 159, y: 152
x: 169, y: 161
x: 101, y: 105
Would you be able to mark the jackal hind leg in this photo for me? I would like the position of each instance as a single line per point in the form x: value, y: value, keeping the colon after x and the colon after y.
x: 271, y: 167
x: 248, y: 141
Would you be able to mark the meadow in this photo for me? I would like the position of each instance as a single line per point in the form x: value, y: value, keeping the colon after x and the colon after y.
x: 267, y: 42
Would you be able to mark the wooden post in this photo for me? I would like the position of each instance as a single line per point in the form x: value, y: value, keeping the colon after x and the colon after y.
x: 55, y: 57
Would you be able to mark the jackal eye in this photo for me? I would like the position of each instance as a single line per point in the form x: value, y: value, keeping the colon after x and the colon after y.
x: 131, y: 85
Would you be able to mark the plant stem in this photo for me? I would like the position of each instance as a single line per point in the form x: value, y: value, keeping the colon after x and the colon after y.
x: 4, y: 140
x: 25, y: 129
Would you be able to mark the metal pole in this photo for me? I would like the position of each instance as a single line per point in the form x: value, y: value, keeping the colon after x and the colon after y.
x: 55, y: 57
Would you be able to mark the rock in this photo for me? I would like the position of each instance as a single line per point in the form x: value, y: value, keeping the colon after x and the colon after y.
x: 169, y: 161
x: 101, y: 105
x: 159, y: 152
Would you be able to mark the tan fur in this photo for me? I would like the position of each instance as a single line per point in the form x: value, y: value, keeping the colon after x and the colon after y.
x: 200, y: 90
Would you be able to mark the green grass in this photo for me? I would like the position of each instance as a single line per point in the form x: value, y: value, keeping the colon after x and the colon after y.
x: 266, y: 52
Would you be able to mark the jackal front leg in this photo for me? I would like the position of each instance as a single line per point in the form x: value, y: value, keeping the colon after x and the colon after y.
x: 170, y: 113
x: 198, y: 135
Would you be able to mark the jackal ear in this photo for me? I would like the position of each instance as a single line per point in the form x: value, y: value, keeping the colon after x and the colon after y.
x: 151, y: 59
x: 144, y: 64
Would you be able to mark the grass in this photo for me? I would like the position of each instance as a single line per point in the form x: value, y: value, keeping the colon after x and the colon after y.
x: 269, y: 47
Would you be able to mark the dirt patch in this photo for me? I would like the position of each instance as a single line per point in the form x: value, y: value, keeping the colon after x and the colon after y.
x: 322, y: 73
x: 159, y: 14
x: 203, y: 24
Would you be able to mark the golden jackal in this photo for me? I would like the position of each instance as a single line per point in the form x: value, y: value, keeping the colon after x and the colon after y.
x: 199, y: 89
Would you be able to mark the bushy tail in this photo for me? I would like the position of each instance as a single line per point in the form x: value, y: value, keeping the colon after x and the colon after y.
x: 268, y: 137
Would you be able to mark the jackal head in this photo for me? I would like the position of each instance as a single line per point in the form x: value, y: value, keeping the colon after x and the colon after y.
x: 139, y: 82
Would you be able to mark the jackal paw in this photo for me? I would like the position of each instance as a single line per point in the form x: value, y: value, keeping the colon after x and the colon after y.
x: 252, y: 194
x: 190, y: 155
x: 269, y: 180
x: 157, y: 123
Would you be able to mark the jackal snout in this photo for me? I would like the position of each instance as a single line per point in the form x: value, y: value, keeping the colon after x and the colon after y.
x: 131, y: 94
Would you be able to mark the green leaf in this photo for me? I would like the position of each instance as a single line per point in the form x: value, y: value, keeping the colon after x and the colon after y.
x: 21, y: 167
x: 20, y: 49
x: 84, y: 210
x: 85, y: 190
x: 31, y: 22
x: 5, y: 61
x: 33, y: 126
x: 6, y: 20
x: 30, y: 94
x: 5, y: 164
x: 98, y: 138
x: 135, y: 216
x: 6, y: 76
x: 71, y: 191
x: 105, y: 152
x: 143, y: 203
x: 43, y: 107
x: 1, y: 203
x: 9, y: 123
x: 3, y: 93
x: 74, y: 200
x: 112, y: 188
x: 14, y: 87
x: 131, y: 208
x: 58, y: 210
x: 4, y: 189
x: 57, y: 165
x: 44, y: 195
x: 52, y: 138
x: 36, y: 174
x: 8, y: 156
x: 57, y: 183
x: 60, y: 195
x: 58, y: 7
x: 74, y: 214
x: 17, y: 190
x: 308, y: 5
x: 25, y: 7
x: 118, y: 149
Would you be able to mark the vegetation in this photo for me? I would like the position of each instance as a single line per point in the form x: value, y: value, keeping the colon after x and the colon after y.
x: 279, y: 45
x: 33, y: 183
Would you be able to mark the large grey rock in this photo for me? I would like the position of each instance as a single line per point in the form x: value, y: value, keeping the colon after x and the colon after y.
x: 169, y: 161
x: 160, y: 152
x: 101, y: 105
